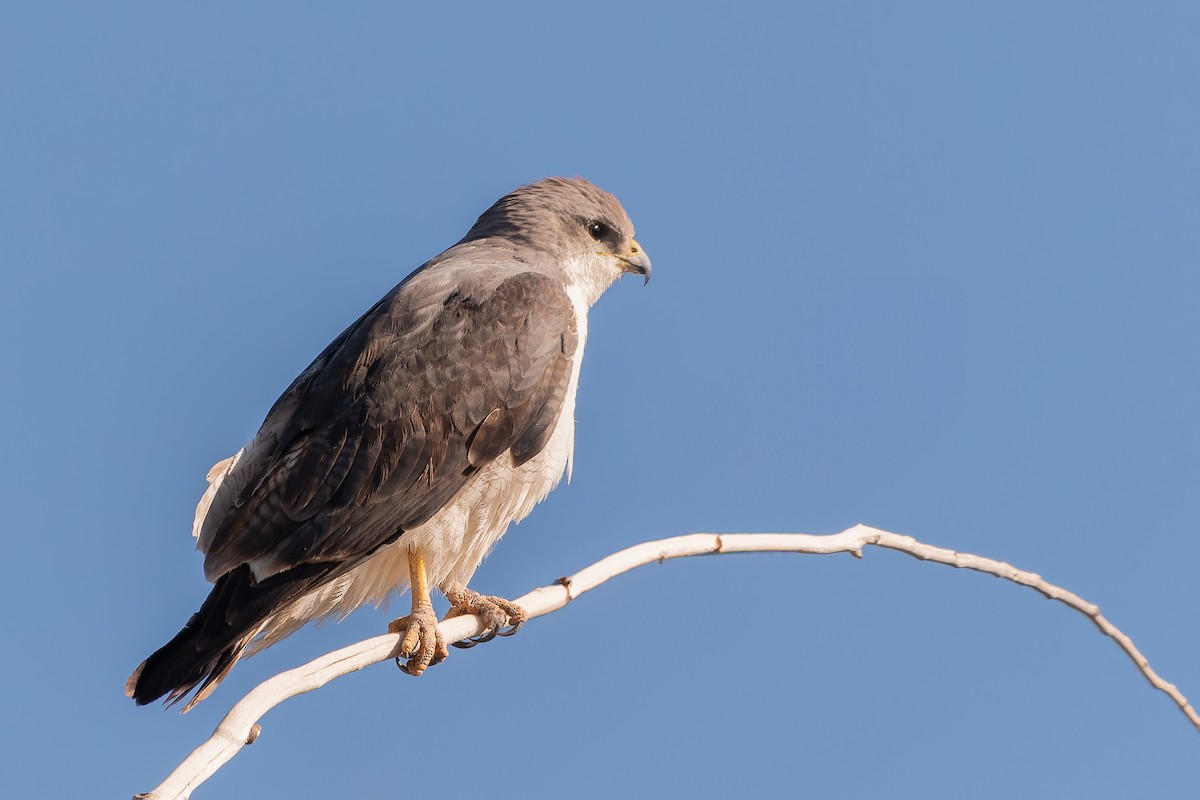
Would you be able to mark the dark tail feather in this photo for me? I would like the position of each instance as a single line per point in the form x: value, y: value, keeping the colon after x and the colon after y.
x: 203, y: 652
x: 215, y: 637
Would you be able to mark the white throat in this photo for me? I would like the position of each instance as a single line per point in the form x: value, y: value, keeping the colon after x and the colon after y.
x: 588, y: 277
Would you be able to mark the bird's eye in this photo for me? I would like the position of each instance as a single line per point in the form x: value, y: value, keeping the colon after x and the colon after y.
x: 597, y: 230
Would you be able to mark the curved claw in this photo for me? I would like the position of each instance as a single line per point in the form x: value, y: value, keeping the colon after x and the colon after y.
x: 495, y: 612
x: 482, y: 638
x: 511, y: 629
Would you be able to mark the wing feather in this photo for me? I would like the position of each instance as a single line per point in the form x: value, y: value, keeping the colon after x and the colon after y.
x: 390, y: 422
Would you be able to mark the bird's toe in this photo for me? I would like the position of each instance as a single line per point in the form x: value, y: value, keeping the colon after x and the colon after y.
x: 500, y: 617
x: 422, y: 645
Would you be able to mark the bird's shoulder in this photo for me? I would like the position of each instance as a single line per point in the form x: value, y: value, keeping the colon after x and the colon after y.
x: 470, y: 316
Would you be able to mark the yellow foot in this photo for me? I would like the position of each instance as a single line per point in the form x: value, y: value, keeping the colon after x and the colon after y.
x: 500, y: 617
x: 422, y: 644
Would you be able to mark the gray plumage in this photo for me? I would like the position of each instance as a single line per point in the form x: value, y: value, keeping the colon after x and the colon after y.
x: 463, y: 374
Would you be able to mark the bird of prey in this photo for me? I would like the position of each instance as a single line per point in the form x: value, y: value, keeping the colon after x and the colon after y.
x: 401, y: 454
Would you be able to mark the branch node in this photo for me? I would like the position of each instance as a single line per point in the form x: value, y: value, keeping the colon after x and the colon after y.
x: 255, y: 730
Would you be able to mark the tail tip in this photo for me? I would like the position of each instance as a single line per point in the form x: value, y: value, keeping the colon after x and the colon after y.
x: 131, y: 685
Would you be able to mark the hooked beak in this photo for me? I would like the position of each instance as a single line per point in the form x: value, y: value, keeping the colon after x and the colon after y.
x: 635, y: 261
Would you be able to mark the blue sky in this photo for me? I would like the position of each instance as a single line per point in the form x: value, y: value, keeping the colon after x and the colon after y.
x: 932, y: 267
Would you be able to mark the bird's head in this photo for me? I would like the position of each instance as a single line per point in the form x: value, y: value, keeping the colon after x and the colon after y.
x: 582, y: 229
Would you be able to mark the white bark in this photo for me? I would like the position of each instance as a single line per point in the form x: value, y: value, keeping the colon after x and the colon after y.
x: 240, y: 726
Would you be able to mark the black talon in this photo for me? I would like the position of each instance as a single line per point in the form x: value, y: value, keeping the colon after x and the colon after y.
x: 465, y: 644
x: 509, y: 631
x: 486, y: 636
x: 403, y: 667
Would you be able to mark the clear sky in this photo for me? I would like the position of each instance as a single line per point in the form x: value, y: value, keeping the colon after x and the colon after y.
x: 932, y: 267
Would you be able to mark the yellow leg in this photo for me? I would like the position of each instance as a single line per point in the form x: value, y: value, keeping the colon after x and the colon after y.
x: 422, y: 644
x: 418, y: 580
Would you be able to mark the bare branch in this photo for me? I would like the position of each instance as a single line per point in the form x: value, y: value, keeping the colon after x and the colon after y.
x: 240, y: 726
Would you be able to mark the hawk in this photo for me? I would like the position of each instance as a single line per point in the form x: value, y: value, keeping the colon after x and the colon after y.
x: 400, y: 456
